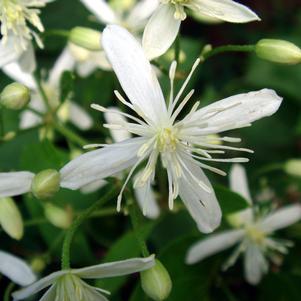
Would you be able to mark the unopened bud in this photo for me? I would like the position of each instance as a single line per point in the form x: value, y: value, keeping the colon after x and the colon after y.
x: 11, y: 219
x: 46, y: 184
x: 15, y: 96
x: 85, y: 37
x: 156, y: 282
x: 59, y: 217
x: 293, y: 167
x: 278, y: 51
x: 38, y: 264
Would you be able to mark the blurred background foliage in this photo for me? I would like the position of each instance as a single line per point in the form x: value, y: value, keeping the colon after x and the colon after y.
x: 275, y: 140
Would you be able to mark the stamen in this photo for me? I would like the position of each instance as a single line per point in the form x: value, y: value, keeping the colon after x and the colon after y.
x: 172, y: 72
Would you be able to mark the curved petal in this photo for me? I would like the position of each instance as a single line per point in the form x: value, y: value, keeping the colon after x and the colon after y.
x: 101, y: 10
x: 202, y: 205
x: 16, y: 269
x: 281, y: 218
x: 226, y: 10
x: 255, y: 264
x: 50, y: 294
x: 79, y: 117
x: 15, y: 183
x: 134, y: 72
x: 99, y: 164
x: 117, y: 268
x: 212, y: 245
x: 160, y: 31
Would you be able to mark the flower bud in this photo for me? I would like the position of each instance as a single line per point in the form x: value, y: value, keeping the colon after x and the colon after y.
x: 86, y: 38
x: 59, y: 217
x: 38, y: 264
x: 278, y: 51
x: 293, y: 167
x: 46, y: 183
x: 15, y: 96
x: 156, y: 282
x: 11, y: 219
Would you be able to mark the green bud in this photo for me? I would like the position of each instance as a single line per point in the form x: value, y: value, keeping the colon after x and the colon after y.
x: 15, y: 96
x: 86, y: 38
x: 38, y: 264
x: 59, y: 217
x: 156, y: 282
x: 293, y: 167
x: 11, y: 219
x: 278, y: 51
x: 46, y: 183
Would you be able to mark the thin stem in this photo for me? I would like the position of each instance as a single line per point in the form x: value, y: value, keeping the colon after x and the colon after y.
x: 57, y: 32
x: 8, y: 291
x: 78, y: 221
x: 42, y: 91
x: 228, y: 48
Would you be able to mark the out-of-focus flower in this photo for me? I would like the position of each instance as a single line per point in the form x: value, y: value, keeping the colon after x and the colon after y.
x: 59, y: 217
x: 68, y: 284
x: 252, y: 233
x: 183, y: 145
x: 293, y: 167
x: 166, y: 20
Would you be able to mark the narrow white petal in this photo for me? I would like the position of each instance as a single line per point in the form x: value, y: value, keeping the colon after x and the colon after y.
x: 239, y: 182
x: 15, y: 183
x: 101, y: 10
x: 281, y: 218
x: 93, y: 186
x: 255, y: 264
x: 227, y: 10
x: 79, y: 117
x: 27, y: 60
x: 160, y: 31
x: 202, y: 205
x: 212, y: 245
x: 16, y: 269
x: 99, y: 164
x: 117, y: 268
x: 50, y: 294
x: 134, y: 72
x: 29, y: 119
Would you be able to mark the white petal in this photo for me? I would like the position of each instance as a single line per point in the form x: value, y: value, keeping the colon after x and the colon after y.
x: 50, y: 294
x: 65, y: 62
x: 8, y: 53
x: 226, y: 10
x: 281, y: 218
x: 14, y: 71
x: 27, y: 60
x: 101, y: 10
x: 15, y: 183
x: 239, y: 182
x: 117, y: 268
x: 239, y: 110
x: 99, y: 164
x: 38, y: 286
x: 134, y: 72
x: 16, y: 269
x: 29, y: 119
x: 117, y: 135
x: 255, y: 264
x: 202, y: 206
x: 160, y: 31
x: 212, y: 245
x: 79, y: 117
x: 93, y: 186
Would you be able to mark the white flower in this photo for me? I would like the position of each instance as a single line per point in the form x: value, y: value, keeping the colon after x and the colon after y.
x: 68, y: 111
x: 252, y: 233
x: 183, y: 145
x: 16, y: 269
x: 166, y: 20
x: 68, y: 285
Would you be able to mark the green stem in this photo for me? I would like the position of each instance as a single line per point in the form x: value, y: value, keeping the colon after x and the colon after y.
x: 8, y: 291
x: 78, y: 221
x: 228, y: 48
x: 42, y: 91
x: 58, y: 33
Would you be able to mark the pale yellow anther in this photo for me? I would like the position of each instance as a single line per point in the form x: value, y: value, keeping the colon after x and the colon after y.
x: 256, y: 234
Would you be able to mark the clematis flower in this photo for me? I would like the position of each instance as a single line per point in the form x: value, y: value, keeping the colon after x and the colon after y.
x: 166, y: 20
x: 16, y: 269
x: 68, y: 111
x: 253, y: 234
x: 183, y: 145
x: 68, y: 284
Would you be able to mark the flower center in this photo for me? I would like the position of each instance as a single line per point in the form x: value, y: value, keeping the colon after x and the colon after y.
x: 167, y: 140
x: 255, y: 234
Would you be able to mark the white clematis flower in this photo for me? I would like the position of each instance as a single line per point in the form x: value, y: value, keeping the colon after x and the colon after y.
x: 68, y: 285
x: 68, y: 111
x: 183, y: 145
x: 166, y: 20
x: 252, y: 233
x: 16, y: 269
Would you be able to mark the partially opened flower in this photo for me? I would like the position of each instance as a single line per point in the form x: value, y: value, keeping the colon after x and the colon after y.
x: 68, y: 285
x: 16, y: 269
x: 252, y: 233
x: 183, y: 145
x: 166, y: 20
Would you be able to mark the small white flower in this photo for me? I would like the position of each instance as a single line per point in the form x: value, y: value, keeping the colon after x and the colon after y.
x: 183, y: 145
x: 252, y: 233
x: 68, y: 285
x: 16, y: 269
x: 166, y: 20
